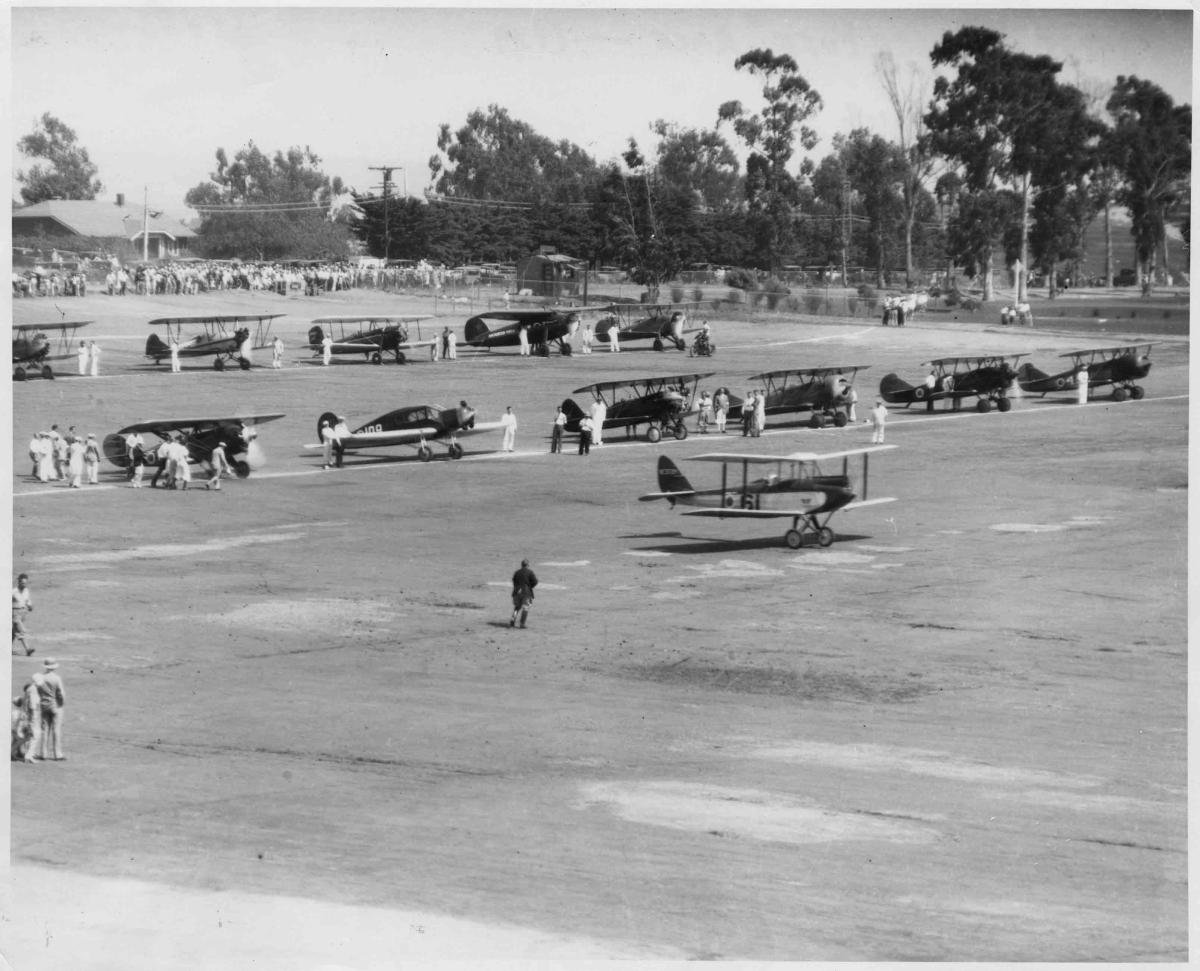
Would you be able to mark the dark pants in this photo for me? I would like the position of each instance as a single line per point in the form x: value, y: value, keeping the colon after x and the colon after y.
x: 556, y: 439
x: 585, y: 443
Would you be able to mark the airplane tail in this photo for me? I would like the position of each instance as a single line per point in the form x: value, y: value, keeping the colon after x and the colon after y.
x: 604, y: 325
x: 670, y: 479
x: 894, y: 388
x: 157, y: 348
x: 476, y: 330
x: 330, y: 417
x: 116, y: 450
x: 1029, y: 376
x: 315, y: 334
x: 573, y: 413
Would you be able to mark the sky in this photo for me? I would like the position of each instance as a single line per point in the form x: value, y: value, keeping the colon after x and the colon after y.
x: 153, y: 92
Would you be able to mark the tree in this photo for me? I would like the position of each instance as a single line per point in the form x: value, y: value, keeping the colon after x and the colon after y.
x: 771, y: 139
x: 269, y: 207
x: 1008, y: 122
x: 496, y: 157
x: 697, y: 161
x: 1151, y: 146
x: 68, y: 172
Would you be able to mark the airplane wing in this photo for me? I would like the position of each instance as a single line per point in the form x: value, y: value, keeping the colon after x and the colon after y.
x: 651, y: 496
x: 734, y: 513
x: 408, y: 436
x: 369, y: 347
x: 411, y: 319
x: 642, y: 382
x: 60, y: 325
x: 213, y: 319
x: 184, y: 424
x: 753, y: 458
x: 1092, y: 352
x: 812, y: 372
x: 536, y: 314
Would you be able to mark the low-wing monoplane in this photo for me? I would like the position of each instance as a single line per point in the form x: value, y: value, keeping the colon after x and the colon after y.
x: 223, y: 338
x: 825, y: 391
x: 415, y: 425
x: 200, y: 435
x: 33, y: 348
x: 805, y: 494
x: 371, y: 337
x: 660, y: 323
x: 544, y: 326
x: 660, y: 403
x: 986, y: 377
x: 1117, y: 366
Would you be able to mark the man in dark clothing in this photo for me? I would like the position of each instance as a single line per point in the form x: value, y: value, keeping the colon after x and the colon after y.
x: 523, y: 581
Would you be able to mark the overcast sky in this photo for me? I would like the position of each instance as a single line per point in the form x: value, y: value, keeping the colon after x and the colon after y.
x: 153, y: 92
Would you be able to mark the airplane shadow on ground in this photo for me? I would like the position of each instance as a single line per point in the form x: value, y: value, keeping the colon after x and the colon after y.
x: 701, y: 545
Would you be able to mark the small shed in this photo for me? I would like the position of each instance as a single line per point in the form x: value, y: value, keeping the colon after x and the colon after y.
x: 550, y: 275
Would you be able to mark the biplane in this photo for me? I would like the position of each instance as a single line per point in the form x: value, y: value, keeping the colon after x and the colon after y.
x: 545, y: 326
x: 222, y: 337
x: 1116, y: 366
x: 825, y: 391
x: 415, y: 425
x: 661, y: 404
x: 660, y: 323
x: 986, y: 377
x: 32, y: 347
x: 806, y: 495
x: 373, y: 337
x: 200, y: 435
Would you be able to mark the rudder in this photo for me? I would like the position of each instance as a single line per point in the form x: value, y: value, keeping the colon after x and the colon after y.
x: 670, y: 479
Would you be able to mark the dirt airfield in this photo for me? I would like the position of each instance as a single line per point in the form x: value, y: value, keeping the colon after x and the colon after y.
x: 301, y: 733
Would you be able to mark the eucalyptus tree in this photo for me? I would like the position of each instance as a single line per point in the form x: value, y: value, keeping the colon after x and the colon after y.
x: 62, y: 169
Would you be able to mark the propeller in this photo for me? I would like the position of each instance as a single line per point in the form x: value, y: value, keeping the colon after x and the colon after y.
x: 256, y: 458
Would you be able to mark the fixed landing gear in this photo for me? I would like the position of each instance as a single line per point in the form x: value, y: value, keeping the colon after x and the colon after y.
x: 794, y: 537
x: 219, y: 364
x: 424, y: 453
x: 653, y: 434
x: 1134, y: 391
x: 680, y: 431
x: 455, y: 450
x: 1003, y: 404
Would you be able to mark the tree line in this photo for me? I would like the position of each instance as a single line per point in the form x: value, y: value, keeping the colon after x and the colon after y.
x: 1001, y: 159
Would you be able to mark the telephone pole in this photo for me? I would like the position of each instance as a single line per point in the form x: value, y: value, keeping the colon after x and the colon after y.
x: 387, y: 171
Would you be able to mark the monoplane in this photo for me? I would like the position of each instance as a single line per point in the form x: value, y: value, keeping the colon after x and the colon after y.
x: 660, y: 403
x: 986, y: 377
x: 1117, y: 366
x: 415, y: 425
x: 200, y: 435
x: 825, y: 391
x: 222, y: 337
x: 371, y: 337
x: 32, y: 347
x: 544, y: 326
x: 806, y: 495
x: 660, y: 323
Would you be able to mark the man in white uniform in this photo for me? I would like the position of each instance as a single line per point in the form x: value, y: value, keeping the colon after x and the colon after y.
x: 509, y: 421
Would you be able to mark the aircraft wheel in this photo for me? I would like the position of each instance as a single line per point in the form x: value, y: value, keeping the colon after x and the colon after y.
x: 816, y: 421
x: 983, y: 406
x: 565, y: 350
x: 243, y: 364
x: 1003, y: 404
x: 653, y: 434
x: 1119, y: 394
x: 218, y: 364
x: 680, y: 344
x: 794, y: 539
x: 825, y: 536
x: 1137, y: 392
x: 840, y: 419
x: 47, y: 373
x: 542, y: 350
x: 424, y: 453
x: 658, y: 344
x: 241, y: 468
x: 681, y: 432
x: 456, y: 451
x: 19, y: 374
x: 376, y: 358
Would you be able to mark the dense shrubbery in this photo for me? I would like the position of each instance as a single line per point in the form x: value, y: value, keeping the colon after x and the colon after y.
x: 740, y: 278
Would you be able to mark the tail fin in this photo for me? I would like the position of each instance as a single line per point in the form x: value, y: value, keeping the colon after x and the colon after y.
x: 670, y: 479
x: 894, y: 388
x: 315, y: 334
x: 1028, y: 375
x: 573, y: 413
x: 157, y: 348
x: 476, y: 330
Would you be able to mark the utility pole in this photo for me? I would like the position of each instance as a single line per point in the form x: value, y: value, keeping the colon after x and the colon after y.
x: 387, y: 171
x: 845, y: 229
x: 145, y: 224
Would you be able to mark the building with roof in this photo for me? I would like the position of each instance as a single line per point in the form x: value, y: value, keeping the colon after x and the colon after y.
x: 67, y: 222
x: 549, y: 274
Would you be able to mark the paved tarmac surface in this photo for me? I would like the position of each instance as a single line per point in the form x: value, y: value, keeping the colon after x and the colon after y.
x: 301, y: 733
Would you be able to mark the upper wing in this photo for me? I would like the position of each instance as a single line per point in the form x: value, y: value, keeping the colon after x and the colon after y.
x: 752, y: 458
x: 183, y: 424
x: 643, y: 382
x: 1092, y: 352
x: 812, y: 372
x: 42, y: 328
x: 372, y: 320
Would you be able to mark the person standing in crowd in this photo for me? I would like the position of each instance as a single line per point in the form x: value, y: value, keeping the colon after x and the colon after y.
x: 523, y: 582
x: 83, y: 359
x: 587, y: 338
x: 930, y: 387
x: 326, y: 350
x: 327, y: 444
x: 585, y: 435
x: 75, y: 464
x: 509, y: 421
x: 174, y: 355
x: 220, y: 464
x: 721, y: 409
x: 183, y: 466
x: 1081, y: 385
x: 747, y: 414
x: 451, y: 344
x: 45, y: 457
x: 523, y: 337
x: 54, y: 700
x: 599, y: 413
x: 277, y: 352
x: 91, y: 460
x: 137, y: 465
x: 56, y: 458
x: 760, y: 413
x: 705, y: 416
x: 614, y: 342
x: 35, y: 452
x: 94, y: 358
x: 341, y: 431
x: 22, y: 605
x: 446, y: 343
x: 556, y: 433
x: 27, y: 722
x: 878, y: 421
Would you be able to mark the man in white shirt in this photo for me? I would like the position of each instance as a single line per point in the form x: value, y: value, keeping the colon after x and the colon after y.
x: 509, y: 422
